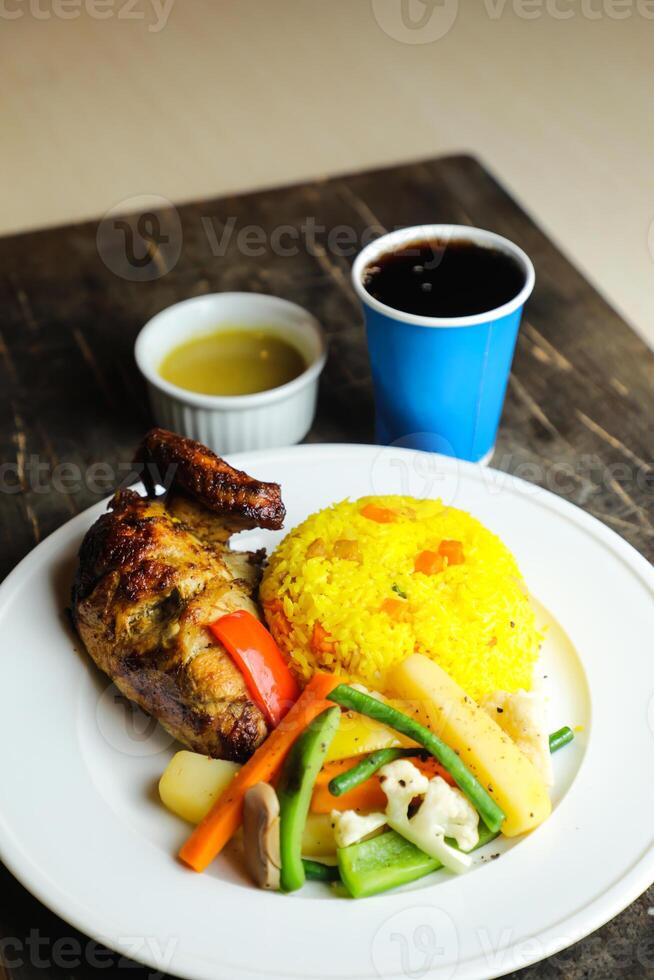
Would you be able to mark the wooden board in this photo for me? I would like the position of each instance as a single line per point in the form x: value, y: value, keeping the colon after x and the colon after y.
x: 578, y: 417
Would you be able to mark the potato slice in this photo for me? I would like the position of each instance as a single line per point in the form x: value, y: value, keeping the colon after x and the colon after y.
x: 318, y: 838
x: 192, y: 783
x: 439, y: 704
x: 359, y: 735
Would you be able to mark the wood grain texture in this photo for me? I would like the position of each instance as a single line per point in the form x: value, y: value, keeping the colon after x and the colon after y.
x: 578, y: 417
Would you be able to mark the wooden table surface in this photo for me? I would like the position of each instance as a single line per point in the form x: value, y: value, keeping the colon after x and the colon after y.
x: 578, y: 417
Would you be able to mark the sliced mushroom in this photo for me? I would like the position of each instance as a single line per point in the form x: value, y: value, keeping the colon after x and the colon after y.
x: 261, y: 835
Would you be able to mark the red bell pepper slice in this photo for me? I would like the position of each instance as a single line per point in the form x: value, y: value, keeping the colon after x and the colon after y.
x: 261, y: 662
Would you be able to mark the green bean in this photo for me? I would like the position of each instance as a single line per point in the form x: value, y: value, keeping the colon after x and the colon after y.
x: 486, y: 806
x: 296, y: 782
x: 315, y: 871
x: 558, y: 739
x: 366, y: 768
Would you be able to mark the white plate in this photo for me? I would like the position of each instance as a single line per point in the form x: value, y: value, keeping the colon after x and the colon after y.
x: 81, y: 827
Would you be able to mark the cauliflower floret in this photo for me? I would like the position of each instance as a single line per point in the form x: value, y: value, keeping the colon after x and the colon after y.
x: 350, y: 826
x: 447, y: 811
x: 401, y: 781
x: 522, y: 717
x: 439, y: 813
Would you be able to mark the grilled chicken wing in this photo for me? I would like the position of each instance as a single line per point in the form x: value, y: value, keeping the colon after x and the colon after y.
x: 155, y: 571
x: 241, y: 500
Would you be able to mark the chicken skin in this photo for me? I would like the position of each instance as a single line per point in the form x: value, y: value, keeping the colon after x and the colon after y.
x: 155, y: 571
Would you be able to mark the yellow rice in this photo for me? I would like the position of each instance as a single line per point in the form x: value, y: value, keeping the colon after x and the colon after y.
x: 327, y: 612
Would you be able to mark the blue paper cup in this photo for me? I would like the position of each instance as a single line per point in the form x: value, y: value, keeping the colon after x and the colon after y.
x: 440, y: 381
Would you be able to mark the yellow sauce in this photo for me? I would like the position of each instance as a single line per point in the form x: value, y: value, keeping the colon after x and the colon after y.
x: 233, y: 362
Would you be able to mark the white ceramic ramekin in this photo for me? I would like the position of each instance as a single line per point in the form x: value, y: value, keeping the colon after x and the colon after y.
x: 227, y: 424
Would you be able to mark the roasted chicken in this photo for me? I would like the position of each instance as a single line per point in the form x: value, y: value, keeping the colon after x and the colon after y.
x: 154, y: 571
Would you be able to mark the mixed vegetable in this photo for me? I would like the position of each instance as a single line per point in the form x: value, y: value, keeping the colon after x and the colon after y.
x: 349, y: 788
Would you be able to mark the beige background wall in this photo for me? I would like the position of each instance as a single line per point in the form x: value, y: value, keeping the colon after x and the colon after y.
x: 556, y: 95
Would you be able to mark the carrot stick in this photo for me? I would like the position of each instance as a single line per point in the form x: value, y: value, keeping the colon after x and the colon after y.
x: 366, y: 796
x: 224, y: 818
